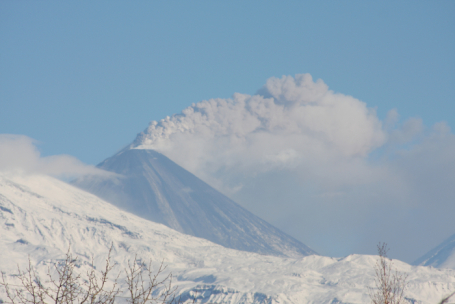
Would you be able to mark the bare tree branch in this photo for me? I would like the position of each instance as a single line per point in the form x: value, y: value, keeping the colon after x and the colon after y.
x: 143, y: 283
x: 390, y: 285
x: 64, y: 285
x: 446, y: 299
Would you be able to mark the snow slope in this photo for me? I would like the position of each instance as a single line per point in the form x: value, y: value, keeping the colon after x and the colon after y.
x: 152, y: 186
x: 442, y: 256
x: 41, y: 216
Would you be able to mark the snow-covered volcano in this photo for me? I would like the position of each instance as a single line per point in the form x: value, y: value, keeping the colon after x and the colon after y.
x: 152, y: 186
x: 41, y: 216
x: 442, y: 256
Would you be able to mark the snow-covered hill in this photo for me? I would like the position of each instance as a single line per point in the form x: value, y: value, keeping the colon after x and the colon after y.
x: 41, y: 216
x: 152, y: 186
x: 442, y: 256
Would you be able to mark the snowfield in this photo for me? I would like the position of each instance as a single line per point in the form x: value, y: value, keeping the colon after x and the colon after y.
x: 41, y: 217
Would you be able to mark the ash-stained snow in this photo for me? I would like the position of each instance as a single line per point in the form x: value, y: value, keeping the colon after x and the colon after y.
x: 41, y: 216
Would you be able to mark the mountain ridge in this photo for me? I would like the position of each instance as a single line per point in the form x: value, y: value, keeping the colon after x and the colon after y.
x: 41, y: 216
x: 442, y: 256
x: 152, y: 186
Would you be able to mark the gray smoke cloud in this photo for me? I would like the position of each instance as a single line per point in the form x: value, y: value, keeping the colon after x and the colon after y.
x: 292, y: 123
x: 320, y: 165
x: 18, y: 154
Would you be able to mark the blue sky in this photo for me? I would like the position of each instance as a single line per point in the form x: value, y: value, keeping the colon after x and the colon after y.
x: 83, y: 78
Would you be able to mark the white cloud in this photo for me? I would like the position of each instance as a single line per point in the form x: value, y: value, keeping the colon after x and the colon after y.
x: 19, y: 154
x: 320, y: 165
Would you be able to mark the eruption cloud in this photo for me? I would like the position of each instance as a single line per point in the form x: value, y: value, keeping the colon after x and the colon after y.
x: 291, y: 122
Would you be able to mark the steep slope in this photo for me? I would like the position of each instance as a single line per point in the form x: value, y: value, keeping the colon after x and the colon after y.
x: 152, y: 186
x: 442, y: 256
x: 41, y: 216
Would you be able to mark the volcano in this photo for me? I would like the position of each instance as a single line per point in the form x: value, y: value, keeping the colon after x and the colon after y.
x: 442, y: 256
x: 150, y: 185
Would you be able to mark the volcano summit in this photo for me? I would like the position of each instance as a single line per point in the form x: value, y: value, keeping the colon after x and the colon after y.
x: 150, y: 185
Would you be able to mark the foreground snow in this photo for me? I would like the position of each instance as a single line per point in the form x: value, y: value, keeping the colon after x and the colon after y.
x: 41, y: 216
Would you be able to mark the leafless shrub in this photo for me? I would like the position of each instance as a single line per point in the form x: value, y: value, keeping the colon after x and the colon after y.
x: 146, y: 287
x: 65, y: 286
x: 390, y: 285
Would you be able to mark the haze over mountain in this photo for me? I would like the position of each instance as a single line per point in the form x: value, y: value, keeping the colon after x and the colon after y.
x: 41, y: 216
x: 153, y: 187
x: 442, y: 256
